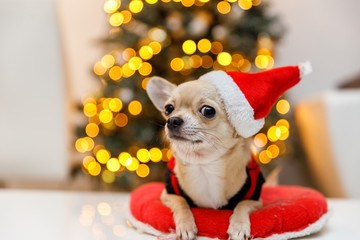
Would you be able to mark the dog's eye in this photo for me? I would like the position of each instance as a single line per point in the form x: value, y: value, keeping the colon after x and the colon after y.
x: 207, y: 111
x: 169, y: 109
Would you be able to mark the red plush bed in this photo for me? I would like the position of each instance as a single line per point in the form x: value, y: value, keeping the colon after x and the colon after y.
x: 288, y: 212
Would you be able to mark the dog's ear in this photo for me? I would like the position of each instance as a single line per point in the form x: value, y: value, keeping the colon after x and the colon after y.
x: 159, y: 90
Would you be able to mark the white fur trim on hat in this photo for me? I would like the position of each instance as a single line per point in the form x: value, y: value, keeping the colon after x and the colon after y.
x: 305, y: 68
x: 237, y: 107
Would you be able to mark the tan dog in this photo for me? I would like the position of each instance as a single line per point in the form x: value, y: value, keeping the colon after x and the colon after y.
x: 210, y: 157
x: 208, y: 123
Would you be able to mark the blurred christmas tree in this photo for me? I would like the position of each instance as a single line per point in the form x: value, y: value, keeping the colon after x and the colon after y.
x: 178, y: 40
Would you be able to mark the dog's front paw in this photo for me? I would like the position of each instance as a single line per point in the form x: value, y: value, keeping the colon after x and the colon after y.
x: 186, y: 230
x: 238, y: 230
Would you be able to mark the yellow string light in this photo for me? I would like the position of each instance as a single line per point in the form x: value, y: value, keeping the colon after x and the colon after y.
x: 146, y: 52
x: 116, y: 19
x: 189, y: 47
x: 143, y: 155
x: 156, y: 47
x: 283, y: 106
x: 108, y: 61
x: 127, y: 71
x: 283, y: 122
x: 115, y: 73
x: 111, y: 6
x: 94, y: 168
x: 135, y: 107
x: 151, y: 1
x: 223, y: 7
x: 127, y: 16
x: 128, y: 53
x: 216, y: 47
x: 87, y: 160
x: 207, y: 61
x: 132, y: 164
x: 136, y: 6
x: 273, y: 150
x: 123, y: 157
x: 204, y: 45
x: 105, y: 116
x: 224, y: 58
x: 135, y: 63
x: 263, y: 157
x: 155, y: 154
x: 113, y: 164
x: 90, y: 109
x: 144, y: 83
x: 143, y: 170
x: 187, y: 3
x: 177, y: 64
x: 108, y: 176
x: 145, y: 69
x: 92, y: 130
x: 99, y: 69
x: 260, y: 140
x: 245, y: 4
x: 103, y: 156
x: 121, y: 120
x: 195, y: 61
x: 115, y: 104
x: 274, y: 133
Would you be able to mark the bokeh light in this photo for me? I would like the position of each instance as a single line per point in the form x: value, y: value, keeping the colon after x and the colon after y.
x: 123, y: 157
x: 113, y: 164
x: 103, y: 156
x: 132, y: 164
x: 263, y: 157
x: 223, y: 7
x: 135, y: 107
x: 111, y: 6
x: 108, y: 176
x: 90, y: 109
x: 216, y: 47
x: 127, y: 16
x: 273, y: 150
x: 115, y: 73
x: 145, y: 69
x: 104, y: 209
x: 87, y: 160
x: 121, y: 120
x: 155, y: 154
x: 143, y: 170
x: 143, y: 155
x: 207, y: 61
x: 177, y: 64
x: 146, y: 52
x: 135, y: 63
x: 260, y: 140
x: 115, y: 104
x: 99, y: 69
x: 116, y: 19
x: 187, y: 3
x: 105, y: 116
x: 92, y: 130
x: 136, y: 6
x: 224, y: 58
x: 274, y: 133
x: 245, y: 4
x: 189, y: 47
x: 283, y: 106
x: 108, y: 61
x: 94, y: 168
x: 156, y: 47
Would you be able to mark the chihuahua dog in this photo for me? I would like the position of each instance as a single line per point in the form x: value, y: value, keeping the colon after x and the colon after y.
x: 211, y: 159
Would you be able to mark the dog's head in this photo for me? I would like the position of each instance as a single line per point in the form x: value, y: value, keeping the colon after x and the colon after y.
x: 196, y: 122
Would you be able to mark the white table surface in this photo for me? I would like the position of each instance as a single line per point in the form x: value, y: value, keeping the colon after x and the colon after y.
x: 60, y: 215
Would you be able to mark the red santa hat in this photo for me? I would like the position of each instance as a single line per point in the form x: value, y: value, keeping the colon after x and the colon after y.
x: 249, y: 97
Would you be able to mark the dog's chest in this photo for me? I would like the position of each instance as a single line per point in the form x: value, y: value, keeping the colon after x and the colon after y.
x: 205, y: 185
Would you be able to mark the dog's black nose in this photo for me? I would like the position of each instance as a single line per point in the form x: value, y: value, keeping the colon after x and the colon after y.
x: 174, y: 122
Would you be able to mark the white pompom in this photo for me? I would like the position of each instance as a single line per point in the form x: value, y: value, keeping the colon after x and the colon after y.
x: 305, y: 68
